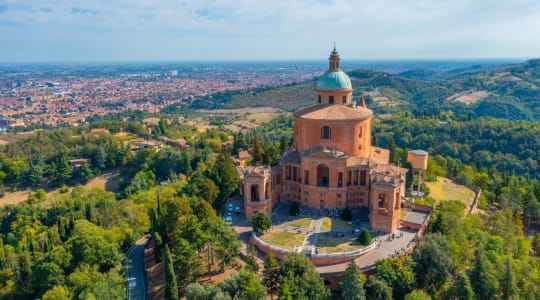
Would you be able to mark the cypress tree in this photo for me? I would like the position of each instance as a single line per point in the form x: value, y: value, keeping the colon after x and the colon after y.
x: 351, y: 284
x: 171, y: 287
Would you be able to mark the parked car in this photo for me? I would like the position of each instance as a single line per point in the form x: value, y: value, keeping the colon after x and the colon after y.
x: 228, y: 219
x: 237, y: 209
x: 230, y: 207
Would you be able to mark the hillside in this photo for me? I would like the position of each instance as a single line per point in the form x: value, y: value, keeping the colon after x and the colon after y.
x: 507, y: 91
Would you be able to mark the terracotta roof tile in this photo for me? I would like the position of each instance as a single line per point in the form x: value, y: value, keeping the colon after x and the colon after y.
x: 334, y: 112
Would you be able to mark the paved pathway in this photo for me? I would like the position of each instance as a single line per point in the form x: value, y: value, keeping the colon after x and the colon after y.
x: 387, y: 248
x: 311, y: 238
x: 136, y: 286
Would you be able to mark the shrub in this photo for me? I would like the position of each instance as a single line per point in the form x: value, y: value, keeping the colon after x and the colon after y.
x: 64, y: 189
x: 294, y: 210
x: 364, y: 238
x: 261, y: 222
x: 346, y: 214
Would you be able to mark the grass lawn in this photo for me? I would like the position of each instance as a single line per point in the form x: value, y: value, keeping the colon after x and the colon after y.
x: 125, y: 136
x: 328, y: 243
x: 326, y: 224
x: 446, y: 189
x: 283, y: 239
x: 108, y: 181
x: 301, y: 222
x: 334, y: 224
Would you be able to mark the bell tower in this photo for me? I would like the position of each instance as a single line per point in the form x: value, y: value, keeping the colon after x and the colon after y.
x: 334, y: 60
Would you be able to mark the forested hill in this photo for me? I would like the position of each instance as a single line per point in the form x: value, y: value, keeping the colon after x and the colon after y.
x: 508, y: 92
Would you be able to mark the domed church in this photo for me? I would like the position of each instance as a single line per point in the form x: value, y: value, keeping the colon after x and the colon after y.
x: 331, y: 163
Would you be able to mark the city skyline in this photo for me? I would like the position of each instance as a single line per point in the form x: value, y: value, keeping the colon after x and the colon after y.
x: 120, y: 30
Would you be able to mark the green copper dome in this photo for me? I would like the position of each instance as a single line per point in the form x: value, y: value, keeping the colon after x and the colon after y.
x: 334, y: 80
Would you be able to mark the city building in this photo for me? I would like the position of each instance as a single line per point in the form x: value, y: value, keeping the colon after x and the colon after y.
x: 331, y: 163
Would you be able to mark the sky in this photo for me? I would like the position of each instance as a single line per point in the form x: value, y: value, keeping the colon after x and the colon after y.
x: 195, y: 30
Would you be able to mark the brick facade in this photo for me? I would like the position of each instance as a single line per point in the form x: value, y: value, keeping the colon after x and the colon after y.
x: 331, y: 163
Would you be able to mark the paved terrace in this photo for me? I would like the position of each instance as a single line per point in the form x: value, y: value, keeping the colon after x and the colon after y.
x: 388, y: 245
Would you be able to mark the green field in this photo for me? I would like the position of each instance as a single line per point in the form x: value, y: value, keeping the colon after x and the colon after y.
x: 445, y: 189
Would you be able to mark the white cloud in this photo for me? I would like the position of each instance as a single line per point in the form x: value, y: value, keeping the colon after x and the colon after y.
x: 273, y: 29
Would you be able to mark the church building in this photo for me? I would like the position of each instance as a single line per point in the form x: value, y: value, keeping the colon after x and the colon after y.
x: 331, y: 163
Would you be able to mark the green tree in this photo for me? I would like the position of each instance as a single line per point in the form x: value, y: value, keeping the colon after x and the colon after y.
x: 250, y: 259
x: 508, y: 285
x: 351, y: 284
x: 100, y: 158
x: 462, y: 288
x: 536, y: 244
x: 85, y: 173
x: 417, y: 295
x: 36, y: 172
x: 285, y: 292
x: 483, y: 278
x: 243, y: 285
x: 58, y: 292
x: 225, y: 243
x: 283, y: 144
x: 257, y: 152
x: 364, y: 238
x: 433, y: 263
x: 261, y: 222
x: 303, y: 280
x: 226, y: 177
x: 93, y: 245
x: 142, y: 181
x: 271, y: 273
x: 171, y: 286
x: 398, y: 273
x: 377, y: 289
x: 187, y: 261
x: 61, y: 170
x: 197, y: 291
x: 47, y: 275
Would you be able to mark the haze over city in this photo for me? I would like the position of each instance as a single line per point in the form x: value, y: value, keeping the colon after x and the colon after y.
x: 65, y: 31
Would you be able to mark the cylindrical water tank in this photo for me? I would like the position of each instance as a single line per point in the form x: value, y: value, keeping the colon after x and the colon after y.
x: 418, y: 159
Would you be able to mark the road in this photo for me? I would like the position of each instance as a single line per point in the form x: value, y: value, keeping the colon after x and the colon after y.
x: 136, y: 286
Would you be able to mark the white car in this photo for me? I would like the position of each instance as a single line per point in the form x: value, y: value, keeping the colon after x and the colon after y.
x: 132, y: 282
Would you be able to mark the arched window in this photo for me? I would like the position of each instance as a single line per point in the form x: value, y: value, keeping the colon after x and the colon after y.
x: 360, y: 132
x: 344, y: 99
x: 255, y: 193
x: 320, y: 98
x: 331, y: 100
x: 383, y: 201
x: 326, y: 133
x: 323, y: 174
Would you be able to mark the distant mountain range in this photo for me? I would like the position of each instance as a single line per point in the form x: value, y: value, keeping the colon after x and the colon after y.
x: 503, y: 91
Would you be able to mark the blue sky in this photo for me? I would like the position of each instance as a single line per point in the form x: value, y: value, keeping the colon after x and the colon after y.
x: 133, y: 30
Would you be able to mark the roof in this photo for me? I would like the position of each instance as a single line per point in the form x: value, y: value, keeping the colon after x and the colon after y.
x: 418, y: 152
x: 380, y: 155
x: 244, y: 154
x: 416, y: 217
x: 334, y: 80
x: 334, y: 112
x: 291, y: 157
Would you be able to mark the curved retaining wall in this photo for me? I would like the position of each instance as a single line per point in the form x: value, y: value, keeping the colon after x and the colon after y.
x: 335, y: 258
x: 266, y: 247
x: 317, y: 259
